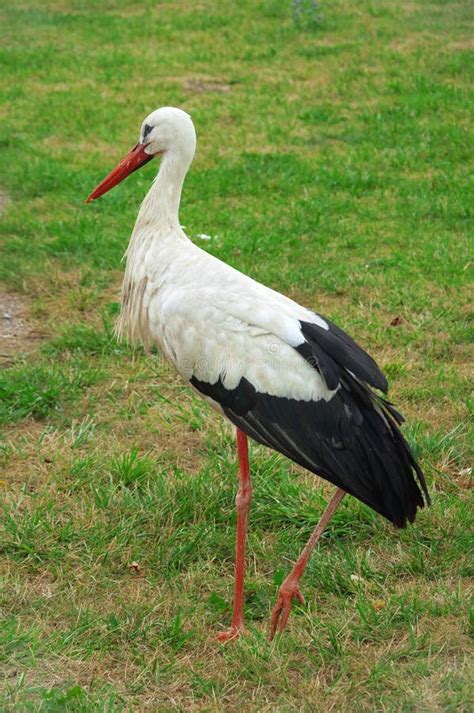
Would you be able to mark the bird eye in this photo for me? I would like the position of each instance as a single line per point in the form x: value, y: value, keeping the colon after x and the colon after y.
x: 146, y: 130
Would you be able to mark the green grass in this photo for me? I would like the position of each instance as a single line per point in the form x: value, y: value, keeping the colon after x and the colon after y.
x: 334, y: 163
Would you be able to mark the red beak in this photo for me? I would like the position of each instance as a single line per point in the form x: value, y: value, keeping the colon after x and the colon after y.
x: 130, y: 163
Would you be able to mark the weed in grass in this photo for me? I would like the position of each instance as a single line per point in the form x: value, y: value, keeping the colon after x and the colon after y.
x: 35, y: 391
x: 306, y: 13
x: 130, y: 469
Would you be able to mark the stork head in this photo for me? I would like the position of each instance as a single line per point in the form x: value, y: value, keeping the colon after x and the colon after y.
x: 164, y: 131
x: 168, y: 129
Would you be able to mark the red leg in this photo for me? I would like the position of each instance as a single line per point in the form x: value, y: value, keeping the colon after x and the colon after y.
x: 290, y: 589
x: 242, y: 501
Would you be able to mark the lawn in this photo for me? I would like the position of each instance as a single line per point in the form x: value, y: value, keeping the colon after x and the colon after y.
x: 334, y: 163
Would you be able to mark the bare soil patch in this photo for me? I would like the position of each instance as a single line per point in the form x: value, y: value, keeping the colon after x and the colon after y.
x: 200, y: 86
x: 4, y: 200
x: 18, y: 332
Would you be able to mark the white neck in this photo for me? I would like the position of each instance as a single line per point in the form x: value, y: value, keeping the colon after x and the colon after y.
x: 161, y: 203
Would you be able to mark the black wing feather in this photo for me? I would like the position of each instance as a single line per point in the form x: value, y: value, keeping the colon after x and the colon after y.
x: 352, y: 440
x: 333, y: 350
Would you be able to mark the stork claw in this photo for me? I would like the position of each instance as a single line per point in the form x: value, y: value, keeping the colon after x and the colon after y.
x: 288, y: 591
x: 230, y: 634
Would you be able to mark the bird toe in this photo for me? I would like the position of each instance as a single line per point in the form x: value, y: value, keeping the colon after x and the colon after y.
x: 230, y: 634
x: 282, y: 608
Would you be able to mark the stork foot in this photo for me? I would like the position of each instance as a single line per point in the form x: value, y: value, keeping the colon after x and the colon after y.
x: 230, y: 634
x: 288, y: 591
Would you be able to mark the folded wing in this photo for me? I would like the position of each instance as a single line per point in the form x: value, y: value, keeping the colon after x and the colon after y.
x: 301, y: 386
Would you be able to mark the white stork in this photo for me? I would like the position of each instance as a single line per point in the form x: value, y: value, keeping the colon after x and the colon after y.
x: 282, y: 374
